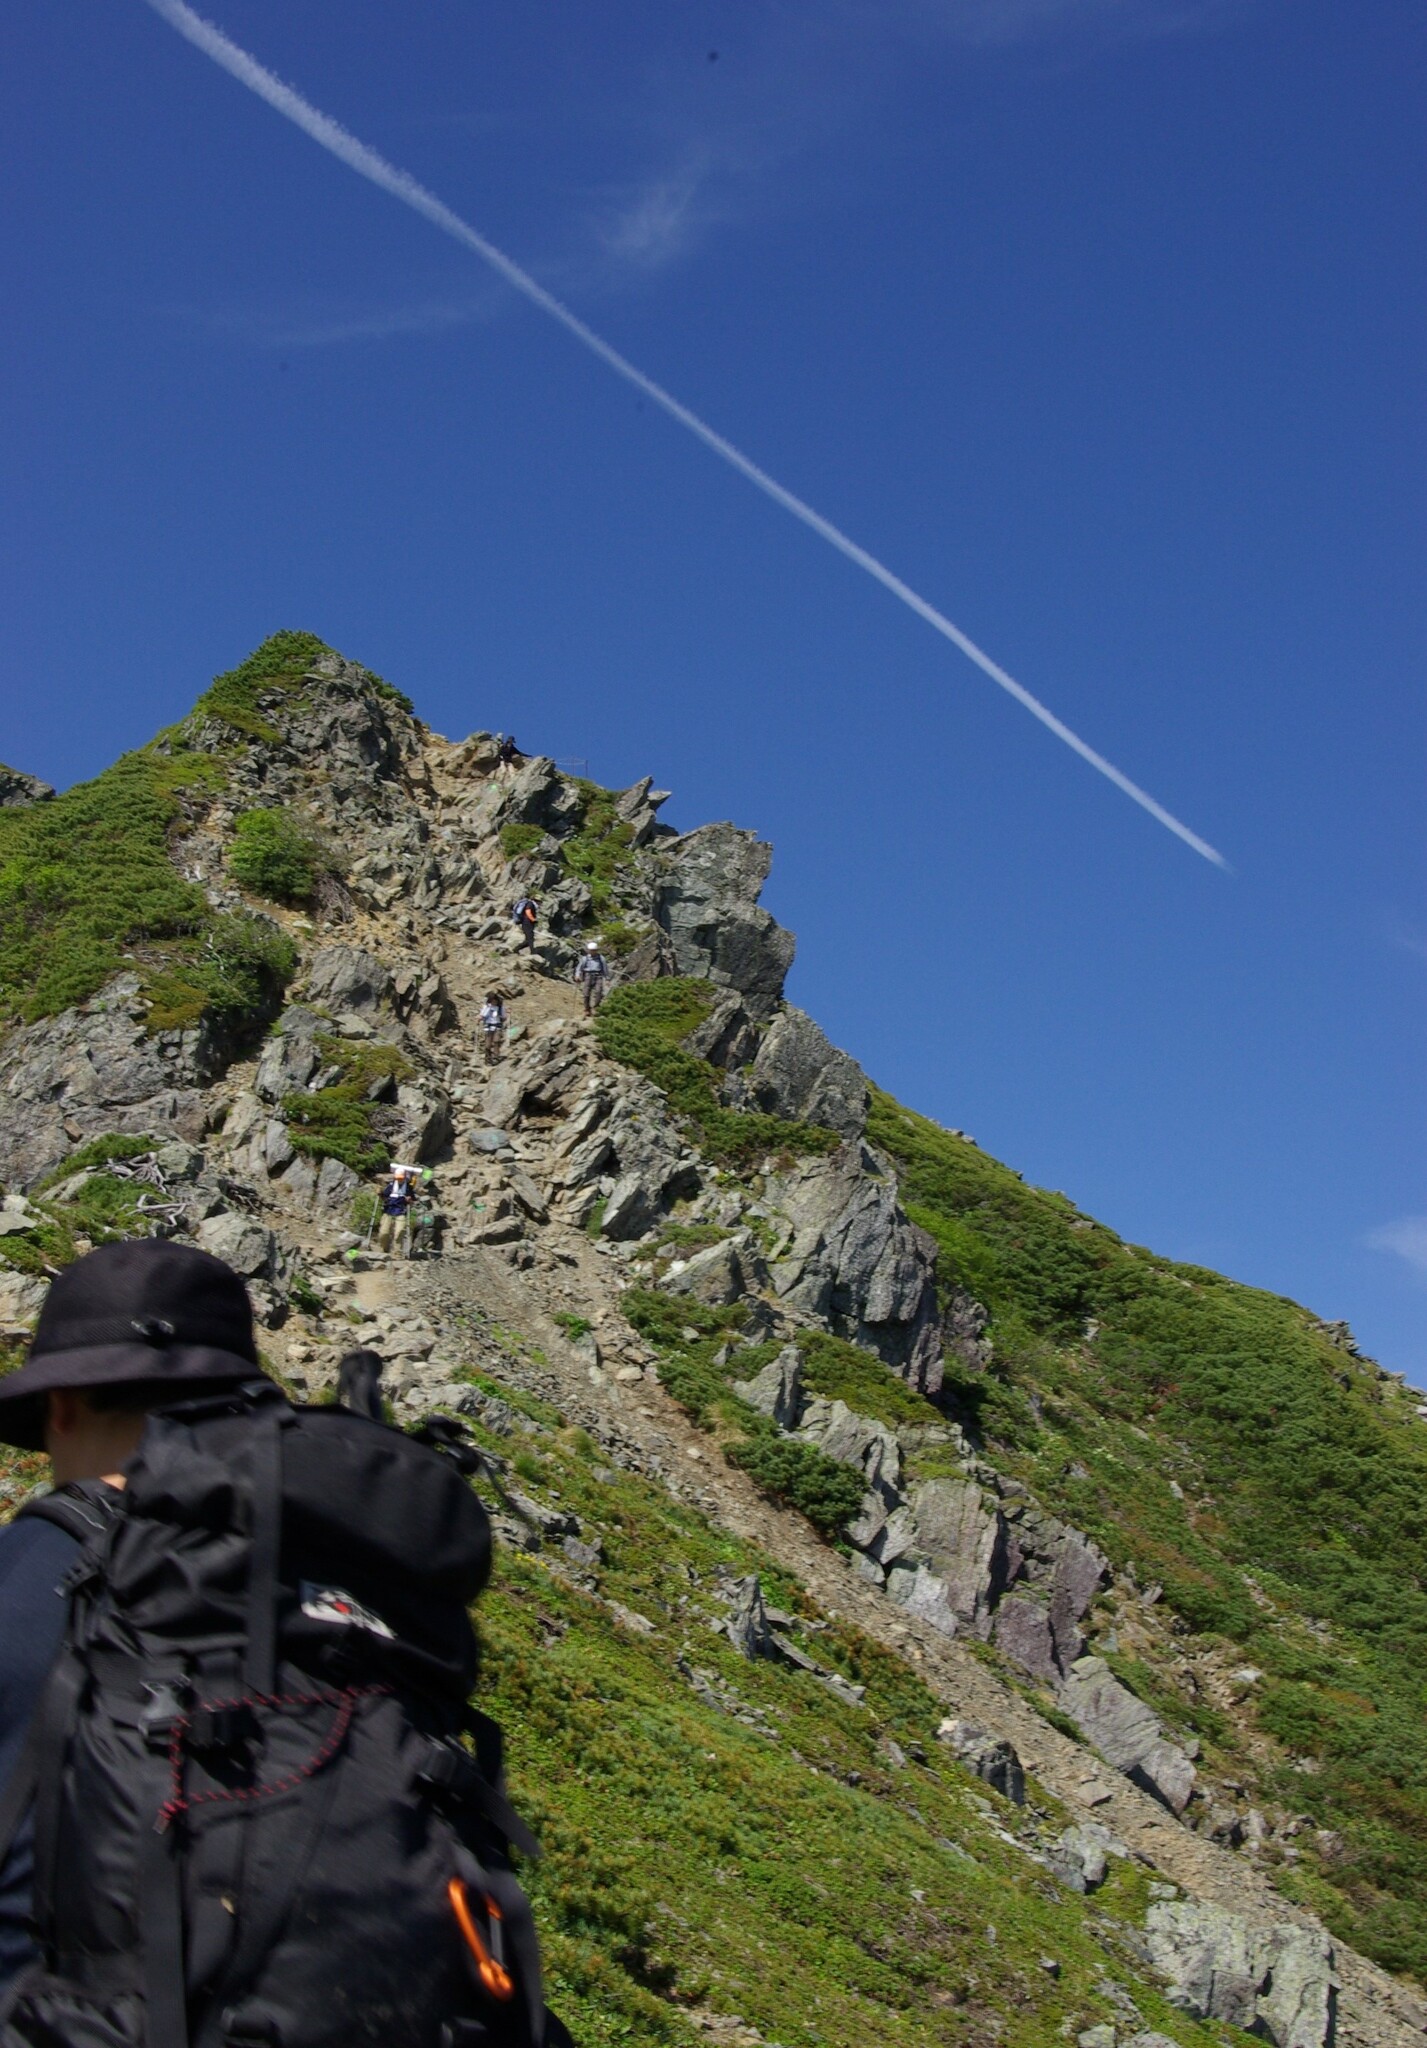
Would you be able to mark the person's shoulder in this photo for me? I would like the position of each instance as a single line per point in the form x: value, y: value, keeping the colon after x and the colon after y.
x: 33, y: 1550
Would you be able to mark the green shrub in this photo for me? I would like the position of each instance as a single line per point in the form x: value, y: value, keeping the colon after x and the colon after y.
x: 516, y: 841
x: 273, y: 856
x: 599, y: 849
x: 236, y: 972
x: 827, y: 1492
x: 341, y: 1121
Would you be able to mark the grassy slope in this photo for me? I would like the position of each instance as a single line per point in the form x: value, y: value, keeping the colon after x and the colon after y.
x: 787, y: 1873
x: 87, y: 884
x: 1303, y: 1480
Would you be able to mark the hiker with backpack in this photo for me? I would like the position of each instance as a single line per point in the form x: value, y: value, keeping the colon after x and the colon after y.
x: 592, y: 975
x: 237, y: 1803
x: 508, y: 758
x: 424, y: 1225
x: 524, y: 916
x: 394, y: 1208
x: 493, y: 1027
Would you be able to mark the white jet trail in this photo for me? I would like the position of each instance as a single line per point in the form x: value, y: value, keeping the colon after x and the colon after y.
x: 366, y: 162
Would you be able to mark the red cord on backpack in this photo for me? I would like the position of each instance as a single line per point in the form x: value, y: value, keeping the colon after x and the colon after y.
x: 492, y: 1972
x: 345, y: 1701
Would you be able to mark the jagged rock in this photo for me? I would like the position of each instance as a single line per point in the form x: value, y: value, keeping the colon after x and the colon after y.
x: 707, y: 903
x: 727, y: 1037
x: 857, y: 1259
x: 290, y: 1057
x: 651, y: 958
x: 748, y: 1627
x: 962, y: 1537
x: 994, y: 1762
x: 1080, y: 1571
x: 798, y: 1074
x: 922, y: 1593
x: 527, y: 1194
x: 638, y: 807
x: 963, y: 1329
x: 629, y: 1210
x: 884, y: 1535
x: 250, y: 1248
x: 21, y: 1299
x: 17, y: 788
x: 855, y: 1440
x: 1023, y: 1632
x: 1126, y: 1732
x: 489, y: 1141
x: 777, y: 1391
x: 427, y: 1128
x: 1080, y: 1858
x: 720, y: 1273
x: 346, y: 978
x: 1276, y: 1981
x: 335, y: 1185
x: 95, y: 1069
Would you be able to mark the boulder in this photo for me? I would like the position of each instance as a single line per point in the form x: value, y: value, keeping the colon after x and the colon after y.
x: 95, y: 1069
x: 798, y: 1074
x: 290, y: 1057
x: 777, y: 1391
x: 249, y: 1247
x: 638, y: 807
x: 629, y: 1210
x: 1126, y: 1732
x: 17, y: 788
x: 856, y: 1258
x: 1023, y: 1633
x: 962, y: 1537
x: 346, y: 978
x: 720, y: 1273
x: 1080, y: 1858
x: 994, y: 1762
x: 707, y: 902
x: 748, y: 1627
x: 21, y: 1299
x: 1275, y: 1981
x: 727, y: 1037
x: 855, y: 1440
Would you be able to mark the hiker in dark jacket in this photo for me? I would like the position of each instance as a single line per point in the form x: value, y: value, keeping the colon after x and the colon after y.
x: 526, y: 915
x: 122, y: 1331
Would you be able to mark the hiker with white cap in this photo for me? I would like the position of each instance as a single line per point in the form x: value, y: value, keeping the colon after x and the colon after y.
x: 592, y: 975
x: 394, y: 1206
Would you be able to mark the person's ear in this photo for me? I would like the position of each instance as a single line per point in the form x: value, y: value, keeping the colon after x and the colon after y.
x: 63, y: 1412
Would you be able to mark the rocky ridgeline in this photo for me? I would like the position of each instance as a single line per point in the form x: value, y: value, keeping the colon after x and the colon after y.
x: 561, y: 1169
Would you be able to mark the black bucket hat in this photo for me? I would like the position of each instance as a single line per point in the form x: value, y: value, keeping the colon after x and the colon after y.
x: 140, y: 1312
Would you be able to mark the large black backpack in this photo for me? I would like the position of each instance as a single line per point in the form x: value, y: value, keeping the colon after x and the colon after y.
x: 264, y: 1815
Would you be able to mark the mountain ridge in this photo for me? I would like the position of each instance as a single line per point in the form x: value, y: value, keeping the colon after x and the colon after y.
x: 1172, y: 1517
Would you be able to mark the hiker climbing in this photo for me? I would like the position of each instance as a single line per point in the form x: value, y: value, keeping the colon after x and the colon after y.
x: 493, y: 1027
x: 508, y: 759
x: 525, y: 915
x: 423, y: 1234
x: 393, y: 1216
x: 592, y: 975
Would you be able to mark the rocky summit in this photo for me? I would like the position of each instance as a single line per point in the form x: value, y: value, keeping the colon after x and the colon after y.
x: 920, y: 1615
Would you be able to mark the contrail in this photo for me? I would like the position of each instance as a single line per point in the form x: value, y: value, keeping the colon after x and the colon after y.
x: 366, y: 162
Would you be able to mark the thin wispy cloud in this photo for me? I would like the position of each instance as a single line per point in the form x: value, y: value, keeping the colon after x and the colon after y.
x: 1406, y: 1239
x: 294, y: 329
x: 658, y: 222
x: 1406, y: 938
x: 360, y: 157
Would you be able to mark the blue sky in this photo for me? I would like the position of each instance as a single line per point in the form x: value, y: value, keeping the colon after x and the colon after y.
x: 1099, y: 321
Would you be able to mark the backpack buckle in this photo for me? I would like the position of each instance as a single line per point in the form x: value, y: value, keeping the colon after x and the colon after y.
x: 164, y: 1711
x: 449, y: 1775
x: 227, y: 1727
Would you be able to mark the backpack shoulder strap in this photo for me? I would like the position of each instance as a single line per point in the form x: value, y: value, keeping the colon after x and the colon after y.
x: 84, y: 1509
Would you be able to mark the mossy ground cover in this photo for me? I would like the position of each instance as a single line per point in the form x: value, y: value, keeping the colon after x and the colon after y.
x: 277, y: 855
x: 643, y: 1025
x: 1296, y: 1466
